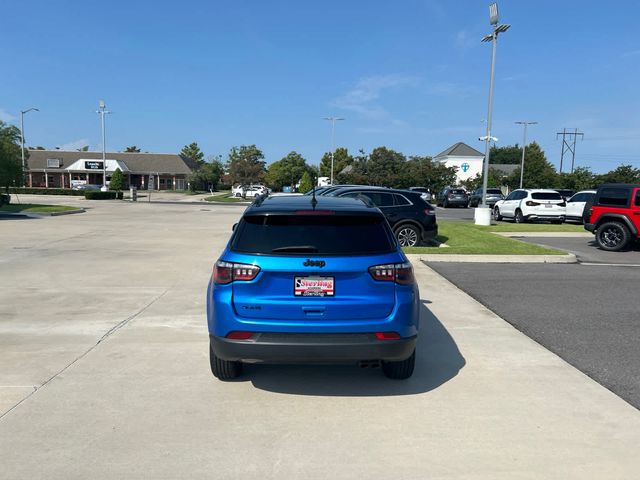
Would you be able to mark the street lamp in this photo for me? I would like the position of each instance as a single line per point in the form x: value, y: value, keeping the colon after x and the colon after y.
x: 333, y: 121
x: 22, y: 112
x: 102, y: 111
x: 494, y: 20
x: 524, y: 146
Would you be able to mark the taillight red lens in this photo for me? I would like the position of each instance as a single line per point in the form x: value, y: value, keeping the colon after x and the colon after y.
x: 387, y: 336
x: 223, y: 273
x: 532, y: 204
x: 401, y: 273
x: 429, y: 212
x: 239, y: 335
x: 384, y: 273
x: 227, y: 272
x: 562, y: 204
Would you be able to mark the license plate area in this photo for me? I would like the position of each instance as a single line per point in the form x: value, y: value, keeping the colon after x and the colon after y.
x: 314, y: 286
x: 548, y: 205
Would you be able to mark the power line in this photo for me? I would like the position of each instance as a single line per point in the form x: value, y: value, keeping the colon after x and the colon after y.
x: 567, y: 146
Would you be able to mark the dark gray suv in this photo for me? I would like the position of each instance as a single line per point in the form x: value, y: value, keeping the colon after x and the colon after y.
x: 493, y: 195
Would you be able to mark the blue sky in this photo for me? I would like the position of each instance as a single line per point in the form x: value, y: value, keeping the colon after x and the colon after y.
x: 410, y: 75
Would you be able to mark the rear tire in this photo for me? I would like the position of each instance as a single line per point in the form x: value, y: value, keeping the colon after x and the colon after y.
x: 519, y: 218
x: 613, y: 236
x: 400, y: 370
x: 408, y: 235
x: 224, y: 369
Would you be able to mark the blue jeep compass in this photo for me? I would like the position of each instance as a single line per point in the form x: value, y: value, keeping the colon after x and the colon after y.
x: 312, y: 281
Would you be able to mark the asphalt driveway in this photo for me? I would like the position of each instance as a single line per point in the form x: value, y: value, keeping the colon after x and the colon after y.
x: 587, y: 251
x: 586, y: 314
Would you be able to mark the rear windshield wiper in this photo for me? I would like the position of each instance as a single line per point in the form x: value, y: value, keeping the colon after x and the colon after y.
x: 297, y: 248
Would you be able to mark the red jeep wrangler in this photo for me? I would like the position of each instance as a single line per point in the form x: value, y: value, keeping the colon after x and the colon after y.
x: 614, y: 216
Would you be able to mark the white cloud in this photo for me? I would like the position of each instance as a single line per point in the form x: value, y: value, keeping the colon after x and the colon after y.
x: 74, y: 145
x: 6, y: 116
x: 362, y: 97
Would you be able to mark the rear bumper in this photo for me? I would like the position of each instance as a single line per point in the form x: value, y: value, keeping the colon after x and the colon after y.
x: 431, y: 233
x: 535, y: 216
x: 312, y: 348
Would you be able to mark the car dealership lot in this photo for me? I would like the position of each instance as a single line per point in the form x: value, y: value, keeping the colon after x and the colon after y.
x: 104, y: 374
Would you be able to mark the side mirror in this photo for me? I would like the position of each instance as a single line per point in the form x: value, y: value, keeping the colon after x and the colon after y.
x: 233, y: 229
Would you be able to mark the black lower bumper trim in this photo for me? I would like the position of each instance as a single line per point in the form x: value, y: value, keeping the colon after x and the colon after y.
x: 589, y: 227
x: 312, y: 348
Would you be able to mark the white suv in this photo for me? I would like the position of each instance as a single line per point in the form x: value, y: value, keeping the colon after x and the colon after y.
x: 529, y: 204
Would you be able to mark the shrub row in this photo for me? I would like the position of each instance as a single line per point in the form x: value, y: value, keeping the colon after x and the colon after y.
x: 98, y: 195
x: 45, y: 191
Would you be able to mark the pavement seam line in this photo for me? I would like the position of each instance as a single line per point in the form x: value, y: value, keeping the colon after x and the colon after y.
x: 110, y: 332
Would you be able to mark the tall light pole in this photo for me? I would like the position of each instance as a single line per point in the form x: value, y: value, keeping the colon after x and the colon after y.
x: 524, y: 146
x: 333, y: 121
x: 494, y: 20
x: 102, y: 111
x: 22, y: 112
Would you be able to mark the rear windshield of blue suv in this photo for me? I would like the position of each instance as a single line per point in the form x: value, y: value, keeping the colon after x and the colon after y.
x: 313, y: 234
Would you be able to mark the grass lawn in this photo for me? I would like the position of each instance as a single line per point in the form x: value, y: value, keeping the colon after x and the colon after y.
x: 35, y: 208
x: 467, y: 238
x: 224, y: 197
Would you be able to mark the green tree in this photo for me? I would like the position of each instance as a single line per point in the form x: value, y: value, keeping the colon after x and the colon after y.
x: 496, y: 179
x: 621, y: 174
x: 286, y: 171
x: 538, y: 172
x: 245, y: 164
x: 341, y: 159
x: 133, y: 149
x: 306, y: 183
x: 11, y: 173
x: 83, y: 149
x: 117, y: 181
x: 207, y: 177
x: 509, y: 155
x: 384, y: 166
x: 580, y: 179
x: 193, y: 152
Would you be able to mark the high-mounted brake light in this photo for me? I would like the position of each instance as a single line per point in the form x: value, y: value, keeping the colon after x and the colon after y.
x: 315, y: 212
x: 227, y: 272
x: 401, y: 273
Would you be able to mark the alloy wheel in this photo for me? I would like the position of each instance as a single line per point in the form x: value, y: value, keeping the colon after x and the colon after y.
x: 407, y: 237
x: 612, y: 237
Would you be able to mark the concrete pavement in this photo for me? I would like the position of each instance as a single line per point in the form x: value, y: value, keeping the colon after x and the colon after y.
x: 106, y: 310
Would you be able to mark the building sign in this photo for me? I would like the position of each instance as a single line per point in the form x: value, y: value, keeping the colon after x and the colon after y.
x: 92, y: 165
x: 465, y: 167
x: 54, y: 163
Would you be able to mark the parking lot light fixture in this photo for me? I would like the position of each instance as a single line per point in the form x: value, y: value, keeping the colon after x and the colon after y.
x: 494, y: 20
x: 524, y: 146
x: 333, y: 121
x: 22, y: 112
x: 102, y: 111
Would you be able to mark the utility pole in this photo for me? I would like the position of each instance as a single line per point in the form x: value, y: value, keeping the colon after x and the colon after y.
x: 333, y: 121
x: 102, y: 110
x: 22, y: 112
x: 567, y: 146
x: 524, y: 146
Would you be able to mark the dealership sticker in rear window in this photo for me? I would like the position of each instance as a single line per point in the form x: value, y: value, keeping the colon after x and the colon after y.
x: 313, y: 287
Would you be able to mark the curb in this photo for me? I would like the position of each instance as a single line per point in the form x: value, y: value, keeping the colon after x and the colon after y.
x: 53, y: 214
x: 545, y: 234
x: 457, y: 258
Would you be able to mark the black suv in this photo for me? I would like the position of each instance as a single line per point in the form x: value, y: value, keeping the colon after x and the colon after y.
x: 614, y: 216
x: 412, y: 219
